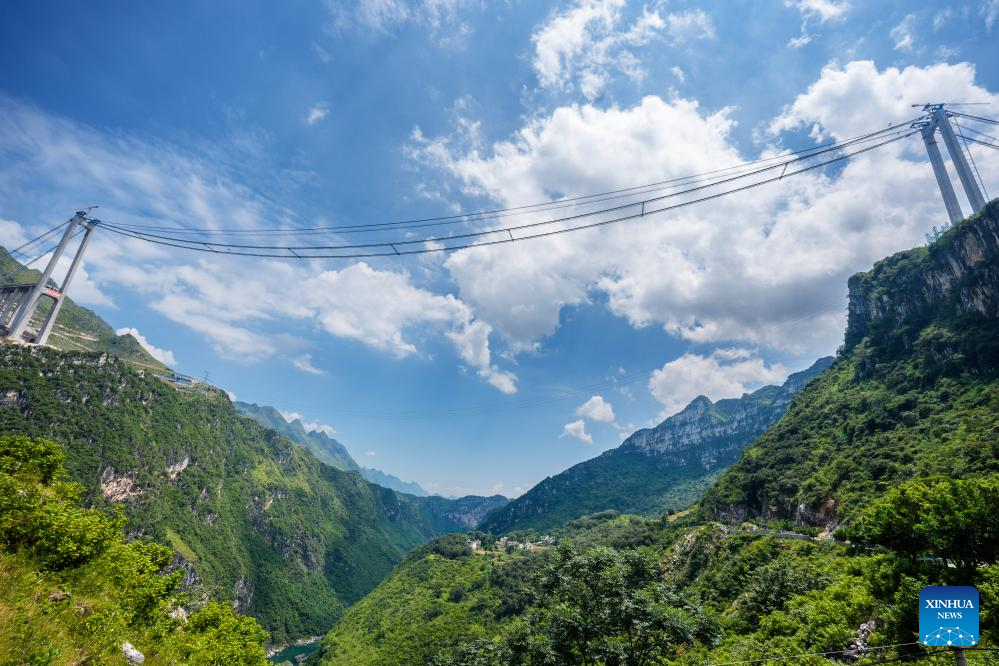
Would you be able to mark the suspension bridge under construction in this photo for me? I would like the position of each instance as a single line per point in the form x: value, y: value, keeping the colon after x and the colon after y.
x: 24, y: 318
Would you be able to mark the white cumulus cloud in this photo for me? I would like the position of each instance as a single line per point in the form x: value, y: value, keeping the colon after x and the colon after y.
x: 315, y: 426
x: 317, y: 112
x: 11, y: 235
x: 821, y: 10
x: 444, y: 20
x: 308, y: 426
x: 903, y: 34
x: 725, y: 373
x: 690, y: 25
x: 577, y: 430
x: 290, y: 416
x: 239, y: 306
x: 990, y: 13
x: 801, y: 40
x: 596, y: 409
x: 304, y: 363
x: 377, y: 307
x: 583, y: 46
x: 766, y: 266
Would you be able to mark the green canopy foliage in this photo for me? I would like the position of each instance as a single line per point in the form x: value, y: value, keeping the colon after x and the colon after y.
x: 605, y: 606
x: 954, y: 520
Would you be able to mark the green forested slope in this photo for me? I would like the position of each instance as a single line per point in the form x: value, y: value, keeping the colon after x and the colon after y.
x: 323, y: 447
x: 441, y: 591
x: 630, y: 590
x: 259, y: 519
x: 914, y: 392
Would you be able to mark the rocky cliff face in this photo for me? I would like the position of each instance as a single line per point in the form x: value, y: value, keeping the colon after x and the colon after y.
x: 913, y: 392
x: 463, y: 512
x: 957, y: 276
x: 656, y: 469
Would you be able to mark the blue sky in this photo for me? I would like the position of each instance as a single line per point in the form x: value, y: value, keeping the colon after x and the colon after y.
x: 488, y: 369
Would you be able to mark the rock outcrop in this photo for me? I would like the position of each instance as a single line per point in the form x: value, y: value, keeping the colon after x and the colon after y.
x: 708, y: 432
x: 957, y: 276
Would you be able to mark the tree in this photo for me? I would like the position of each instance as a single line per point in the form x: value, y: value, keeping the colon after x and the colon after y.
x: 39, y: 512
x: 608, y: 607
x: 219, y: 637
x: 955, y: 520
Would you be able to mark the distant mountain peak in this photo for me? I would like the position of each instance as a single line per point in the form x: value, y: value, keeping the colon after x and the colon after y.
x: 703, y: 419
x: 656, y: 469
x: 324, y: 447
x: 327, y: 449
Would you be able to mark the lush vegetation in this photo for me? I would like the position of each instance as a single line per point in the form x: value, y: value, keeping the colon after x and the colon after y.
x: 624, y: 479
x: 258, y: 519
x: 325, y: 448
x: 442, y: 591
x: 629, y: 590
x: 656, y: 470
x: 944, y: 518
x: 598, y: 606
x: 73, y: 590
x: 895, y: 445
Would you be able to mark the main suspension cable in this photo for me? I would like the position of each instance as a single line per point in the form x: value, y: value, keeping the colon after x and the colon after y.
x: 479, y: 216
x: 435, y: 243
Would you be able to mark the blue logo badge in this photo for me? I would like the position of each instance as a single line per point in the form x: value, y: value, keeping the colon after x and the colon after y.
x: 948, y: 615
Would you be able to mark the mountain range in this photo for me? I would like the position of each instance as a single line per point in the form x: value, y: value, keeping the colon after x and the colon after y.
x: 257, y: 519
x: 327, y: 449
x: 655, y: 470
x: 253, y: 517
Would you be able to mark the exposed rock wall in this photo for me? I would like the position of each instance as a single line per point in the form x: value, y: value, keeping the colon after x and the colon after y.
x: 958, y: 276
